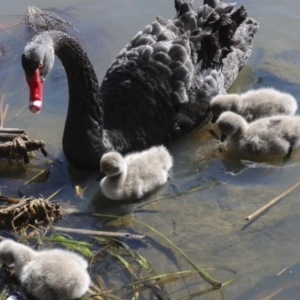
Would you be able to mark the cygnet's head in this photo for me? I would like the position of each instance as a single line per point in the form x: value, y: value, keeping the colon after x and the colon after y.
x: 230, y: 123
x: 222, y: 103
x: 112, y: 164
x: 7, y: 250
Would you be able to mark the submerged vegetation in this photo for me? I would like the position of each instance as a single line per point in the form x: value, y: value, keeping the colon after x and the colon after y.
x: 141, y: 279
x: 32, y: 221
x: 27, y: 212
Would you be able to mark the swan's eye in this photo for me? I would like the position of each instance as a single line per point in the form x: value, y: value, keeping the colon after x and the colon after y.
x: 41, y: 65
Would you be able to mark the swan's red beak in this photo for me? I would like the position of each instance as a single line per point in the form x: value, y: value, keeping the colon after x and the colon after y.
x: 36, y: 92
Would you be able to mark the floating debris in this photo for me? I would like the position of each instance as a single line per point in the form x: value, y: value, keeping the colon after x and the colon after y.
x: 14, y: 142
x: 37, y: 20
x: 15, y: 145
x: 20, y: 213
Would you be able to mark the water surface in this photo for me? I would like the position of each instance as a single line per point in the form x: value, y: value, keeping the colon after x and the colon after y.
x: 208, y: 224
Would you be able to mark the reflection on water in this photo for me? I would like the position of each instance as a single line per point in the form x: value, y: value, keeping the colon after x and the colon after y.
x: 217, y: 189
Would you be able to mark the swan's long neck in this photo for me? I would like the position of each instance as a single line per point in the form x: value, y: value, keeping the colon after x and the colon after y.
x: 83, y: 135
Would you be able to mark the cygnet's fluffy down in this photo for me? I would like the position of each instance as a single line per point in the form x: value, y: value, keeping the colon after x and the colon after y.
x: 132, y: 176
x: 254, y: 104
x: 270, y: 135
x: 50, y: 274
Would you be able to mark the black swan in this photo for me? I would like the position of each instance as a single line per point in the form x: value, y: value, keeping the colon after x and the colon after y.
x: 157, y: 89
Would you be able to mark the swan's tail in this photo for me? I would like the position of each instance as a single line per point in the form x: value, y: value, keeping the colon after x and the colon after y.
x: 220, y: 36
x: 220, y: 42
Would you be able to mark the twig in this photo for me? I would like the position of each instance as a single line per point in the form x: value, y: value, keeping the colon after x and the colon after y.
x: 124, y: 235
x: 272, y: 202
x: 12, y: 24
x: 3, y: 110
x: 273, y: 294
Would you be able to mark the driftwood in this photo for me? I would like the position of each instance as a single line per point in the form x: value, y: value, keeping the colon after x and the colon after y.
x: 15, y: 145
x: 272, y: 202
x: 124, y: 235
x: 22, y: 212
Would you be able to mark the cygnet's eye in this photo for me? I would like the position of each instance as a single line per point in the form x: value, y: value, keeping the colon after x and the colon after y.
x: 107, y: 168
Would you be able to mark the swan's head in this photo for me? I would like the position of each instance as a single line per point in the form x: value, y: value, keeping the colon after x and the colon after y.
x: 37, y: 61
x: 230, y: 124
x: 112, y: 164
x: 222, y: 103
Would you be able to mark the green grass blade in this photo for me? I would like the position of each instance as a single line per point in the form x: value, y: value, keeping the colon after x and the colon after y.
x: 35, y: 176
x: 161, y: 276
x: 122, y: 260
x: 3, y: 294
x: 157, y: 292
x: 79, y: 246
x: 198, y: 294
x: 103, y: 240
x: 202, y: 273
x: 143, y: 263
x: 209, y: 279
x: 55, y: 193
x: 189, y: 191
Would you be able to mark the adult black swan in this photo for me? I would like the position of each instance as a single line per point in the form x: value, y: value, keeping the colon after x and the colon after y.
x: 157, y: 89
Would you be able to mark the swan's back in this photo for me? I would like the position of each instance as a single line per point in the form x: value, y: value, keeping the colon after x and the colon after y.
x: 56, y: 274
x: 149, y: 160
x: 255, y: 104
x: 269, y: 135
x: 283, y: 127
x: 146, y: 170
x: 174, y: 68
x: 266, y: 102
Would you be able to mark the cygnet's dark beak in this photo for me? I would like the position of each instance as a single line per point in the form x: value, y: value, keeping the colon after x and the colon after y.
x: 100, y: 176
x: 214, y: 119
x: 223, y: 137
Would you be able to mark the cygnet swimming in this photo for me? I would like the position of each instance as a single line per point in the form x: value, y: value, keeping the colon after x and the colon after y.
x: 132, y: 176
x: 254, y: 104
x: 270, y: 135
x: 50, y: 274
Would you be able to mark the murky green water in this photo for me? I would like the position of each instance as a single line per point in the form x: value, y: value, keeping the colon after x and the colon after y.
x: 208, y: 224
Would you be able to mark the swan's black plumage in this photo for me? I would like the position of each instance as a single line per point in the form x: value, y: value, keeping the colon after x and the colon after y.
x: 158, y: 88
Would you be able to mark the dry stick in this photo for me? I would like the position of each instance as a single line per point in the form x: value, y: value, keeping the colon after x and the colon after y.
x: 124, y: 235
x: 272, y: 202
x: 270, y: 297
x: 3, y: 111
x: 13, y: 24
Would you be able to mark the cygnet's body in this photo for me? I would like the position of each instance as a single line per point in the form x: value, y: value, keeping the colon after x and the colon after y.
x: 132, y: 176
x: 255, y: 104
x: 49, y: 275
x: 270, y: 135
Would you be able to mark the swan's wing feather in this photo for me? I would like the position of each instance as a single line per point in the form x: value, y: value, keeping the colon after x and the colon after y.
x: 167, y: 60
x: 220, y: 6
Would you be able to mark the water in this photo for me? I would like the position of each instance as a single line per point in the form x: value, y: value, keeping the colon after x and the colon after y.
x: 207, y: 224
